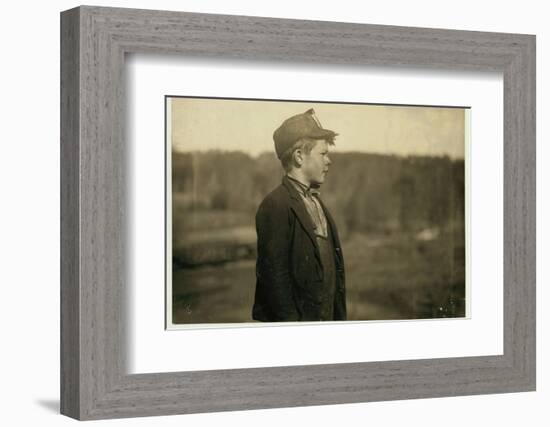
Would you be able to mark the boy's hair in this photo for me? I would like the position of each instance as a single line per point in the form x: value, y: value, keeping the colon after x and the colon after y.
x: 304, y: 144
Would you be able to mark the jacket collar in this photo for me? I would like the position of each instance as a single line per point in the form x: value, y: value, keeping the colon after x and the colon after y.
x: 292, y: 191
x: 299, y: 209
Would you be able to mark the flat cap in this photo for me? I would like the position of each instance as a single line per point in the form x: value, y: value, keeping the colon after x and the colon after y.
x: 305, y: 125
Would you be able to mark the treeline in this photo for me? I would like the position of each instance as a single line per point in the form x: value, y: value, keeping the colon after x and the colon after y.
x: 365, y: 192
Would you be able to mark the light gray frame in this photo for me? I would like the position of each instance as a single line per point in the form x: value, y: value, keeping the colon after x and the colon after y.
x: 94, y: 41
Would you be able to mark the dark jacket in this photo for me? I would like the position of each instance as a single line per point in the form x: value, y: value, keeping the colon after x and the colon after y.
x: 289, y: 272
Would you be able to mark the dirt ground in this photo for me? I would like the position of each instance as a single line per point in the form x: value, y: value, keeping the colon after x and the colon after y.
x: 397, y: 277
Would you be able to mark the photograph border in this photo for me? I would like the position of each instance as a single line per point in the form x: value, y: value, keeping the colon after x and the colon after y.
x: 94, y: 161
x: 168, y: 280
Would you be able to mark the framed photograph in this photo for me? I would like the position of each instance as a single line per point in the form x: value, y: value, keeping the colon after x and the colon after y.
x: 288, y: 192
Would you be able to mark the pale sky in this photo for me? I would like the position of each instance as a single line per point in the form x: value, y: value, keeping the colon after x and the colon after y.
x: 204, y: 124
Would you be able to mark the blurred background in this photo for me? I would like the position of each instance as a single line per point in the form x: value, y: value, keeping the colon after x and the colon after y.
x: 396, y: 189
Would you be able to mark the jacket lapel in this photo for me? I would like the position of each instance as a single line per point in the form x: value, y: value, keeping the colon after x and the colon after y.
x: 334, y: 232
x: 299, y: 209
x: 331, y: 224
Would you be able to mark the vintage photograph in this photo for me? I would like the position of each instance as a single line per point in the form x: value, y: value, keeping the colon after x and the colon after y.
x: 308, y: 211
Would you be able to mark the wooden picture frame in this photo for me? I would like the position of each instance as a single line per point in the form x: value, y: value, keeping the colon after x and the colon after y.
x: 94, y: 41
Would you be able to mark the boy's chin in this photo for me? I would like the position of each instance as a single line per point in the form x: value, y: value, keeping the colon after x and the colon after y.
x: 317, y: 182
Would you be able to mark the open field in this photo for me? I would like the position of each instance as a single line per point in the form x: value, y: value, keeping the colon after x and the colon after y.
x: 400, y: 220
x: 387, y: 277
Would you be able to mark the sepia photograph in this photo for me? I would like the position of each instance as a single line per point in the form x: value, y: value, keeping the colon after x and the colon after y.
x: 309, y: 211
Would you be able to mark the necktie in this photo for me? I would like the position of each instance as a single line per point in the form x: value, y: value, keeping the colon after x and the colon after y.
x: 313, y: 192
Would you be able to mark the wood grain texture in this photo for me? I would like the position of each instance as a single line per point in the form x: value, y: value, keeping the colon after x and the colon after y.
x: 95, y: 275
x: 69, y: 159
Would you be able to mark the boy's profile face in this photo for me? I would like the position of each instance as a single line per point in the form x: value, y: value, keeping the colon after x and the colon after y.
x: 315, y: 164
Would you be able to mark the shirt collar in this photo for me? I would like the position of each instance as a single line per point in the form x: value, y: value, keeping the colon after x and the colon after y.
x: 303, y: 189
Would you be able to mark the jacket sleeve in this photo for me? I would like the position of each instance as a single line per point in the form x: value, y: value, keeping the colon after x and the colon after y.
x: 274, y: 234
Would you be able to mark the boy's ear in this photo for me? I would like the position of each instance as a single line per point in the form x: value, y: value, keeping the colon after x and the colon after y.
x: 298, y: 156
